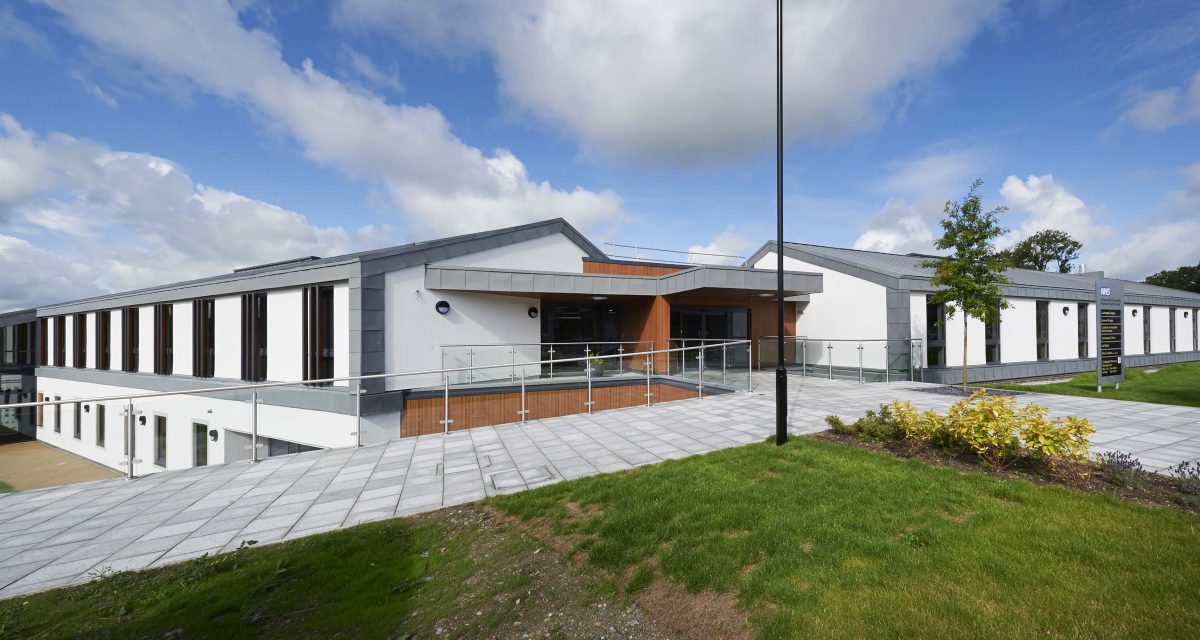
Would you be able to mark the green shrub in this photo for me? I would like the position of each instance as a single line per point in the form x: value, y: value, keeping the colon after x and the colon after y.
x: 1121, y: 468
x: 879, y: 425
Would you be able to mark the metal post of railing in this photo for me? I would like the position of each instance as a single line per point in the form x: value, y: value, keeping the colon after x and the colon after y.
x: 700, y: 371
x: 830, y: 347
x: 130, y: 441
x: 254, y: 426
x: 860, y: 363
x: 513, y: 376
x: 649, y: 365
x: 750, y: 359
x: 445, y: 421
x: 804, y: 359
x: 471, y: 363
x: 551, y: 360
x: 887, y: 364
x: 587, y: 370
x: 620, y: 358
x: 523, y: 410
x: 358, y: 413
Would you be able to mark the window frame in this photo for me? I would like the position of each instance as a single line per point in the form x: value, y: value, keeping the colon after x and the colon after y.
x: 199, y: 437
x: 164, y: 338
x: 254, y: 336
x: 101, y: 425
x: 58, y: 414
x: 130, y: 330
x: 991, y: 345
x: 317, y: 332
x: 1146, y: 346
x: 60, y: 341
x: 1081, y: 324
x: 1171, y: 327
x: 204, y: 332
x: 160, y: 440
x: 104, y: 340
x: 1042, y: 329
x: 935, y: 334
x: 77, y: 425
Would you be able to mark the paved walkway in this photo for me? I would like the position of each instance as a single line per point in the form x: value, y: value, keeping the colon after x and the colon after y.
x: 64, y: 535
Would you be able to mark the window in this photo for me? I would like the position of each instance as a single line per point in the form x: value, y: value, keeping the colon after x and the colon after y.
x: 317, y: 329
x: 79, y: 340
x: 164, y: 353
x: 101, y: 425
x: 60, y: 341
x: 200, y: 443
x: 991, y: 339
x: 41, y: 410
x: 935, y: 333
x: 1171, y: 331
x: 1043, y: 330
x: 283, y: 447
x: 1145, y: 329
x: 103, y: 340
x: 129, y: 339
x: 160, y: 441
x: 15, y: 343
x: 254, y: 337
x: 1082, y: 323
x: 77, y: 427
x: 203, y: 335
x: 43, y: 341
x: 57, y: 415
x: 1195, y: 329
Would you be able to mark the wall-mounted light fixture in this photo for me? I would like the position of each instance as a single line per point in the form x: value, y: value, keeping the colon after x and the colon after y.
x: 1066, y: 311
x: 1185, y: 314
x: 442, y: 307
x: 1135, y: 313
x: 212, y: 434
x: 87, y: 408
x: 533, y: 312
x: 142, y: 420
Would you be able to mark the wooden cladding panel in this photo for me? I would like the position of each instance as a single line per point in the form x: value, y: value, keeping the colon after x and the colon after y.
x: 621, y: 269
x: 423, y: 416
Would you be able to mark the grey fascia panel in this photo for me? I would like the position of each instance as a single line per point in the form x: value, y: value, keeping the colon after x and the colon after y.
x: 202, y: 289
x: 522, y: 281
x: 476, y: 280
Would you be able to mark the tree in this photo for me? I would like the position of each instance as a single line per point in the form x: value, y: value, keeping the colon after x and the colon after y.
x: 1183, y: 278
x: 969, y: 279
x: 1046, y: 246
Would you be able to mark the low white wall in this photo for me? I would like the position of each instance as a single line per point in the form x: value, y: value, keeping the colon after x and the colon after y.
x: 314, y: 428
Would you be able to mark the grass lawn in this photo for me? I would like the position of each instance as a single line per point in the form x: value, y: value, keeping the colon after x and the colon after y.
x: 814, y: 539
x: 1173, y: 384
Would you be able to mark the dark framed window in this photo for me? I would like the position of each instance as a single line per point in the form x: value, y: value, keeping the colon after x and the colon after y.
x: 1043, y: 329
x: 1171, y: 331
x: 103, y: 340
x: 164, y: 336
x: 1082, y: 323
x: 160, y: 441
x: 1195, y: 329
x: 79, y: 346
x: 200, y: 444
x: 57, y: 415
x: 43, y: 342
x: 935, y: 333
x: 60, y: 341
x: 129, y: 339
x: 1145, y: 329
x: 317, y: 330
x: 101, y: 424
x: 254, y: 337
x: 16, y: 344
x: 204, y: 330
x: 991, y: 339
x: 77, y: 427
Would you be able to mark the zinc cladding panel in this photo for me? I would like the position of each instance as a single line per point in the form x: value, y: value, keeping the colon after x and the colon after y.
x: 500, y: 281
x: 475, y: 280
x: 522, y: 282
x: 543, y: 282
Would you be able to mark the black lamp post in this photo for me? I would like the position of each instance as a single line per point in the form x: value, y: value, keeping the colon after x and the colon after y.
x: 781, y: 370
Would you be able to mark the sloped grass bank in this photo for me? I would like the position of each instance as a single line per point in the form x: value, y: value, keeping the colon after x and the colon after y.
x: 813, y: 539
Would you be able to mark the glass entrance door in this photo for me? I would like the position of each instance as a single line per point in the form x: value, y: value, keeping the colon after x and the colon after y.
x: 693, y: 326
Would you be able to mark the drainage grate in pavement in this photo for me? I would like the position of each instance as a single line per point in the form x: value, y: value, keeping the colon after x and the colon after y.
x: 506, y: 480
x: 534, y: 475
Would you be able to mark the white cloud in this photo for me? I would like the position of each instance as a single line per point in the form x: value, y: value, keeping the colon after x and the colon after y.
x: 16, y: 30
x: 691, y: 82
x: 1049, y: 205
x: 441, y: 184
x: 942, y: 173
x: 84, y: 219
x: 1167, y: 245
x: 726, y: 248
x: 900, y: 227
x: 1164, y: 108
x: 363, y: 67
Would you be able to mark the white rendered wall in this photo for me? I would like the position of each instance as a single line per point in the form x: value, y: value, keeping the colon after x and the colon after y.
x: 1064, y: 330
x: 93, y: 347
x: 1018, y: 331
x: 285, y: 315
x: 341, y: 331
x: 1185, y: 336
x: 1133, y: 330
x: 976, y: 349
x: 181, y: 337
x: 314, y: 428
x: 1091, y: 336
x: 919, y: 318
x: 848, y: 308
x: 146, y: 346
x: 116, y: 345
x: 227, y: 341
x: 549, y: 253
x: 1160, y: 330
x: 50, y: 346
x: 69, y: 341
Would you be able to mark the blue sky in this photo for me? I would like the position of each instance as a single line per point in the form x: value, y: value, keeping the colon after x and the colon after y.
x: 144, y: 142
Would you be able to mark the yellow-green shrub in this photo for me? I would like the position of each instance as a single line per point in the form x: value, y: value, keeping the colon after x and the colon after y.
x: 1058, y: 439
x: 988, y: 425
